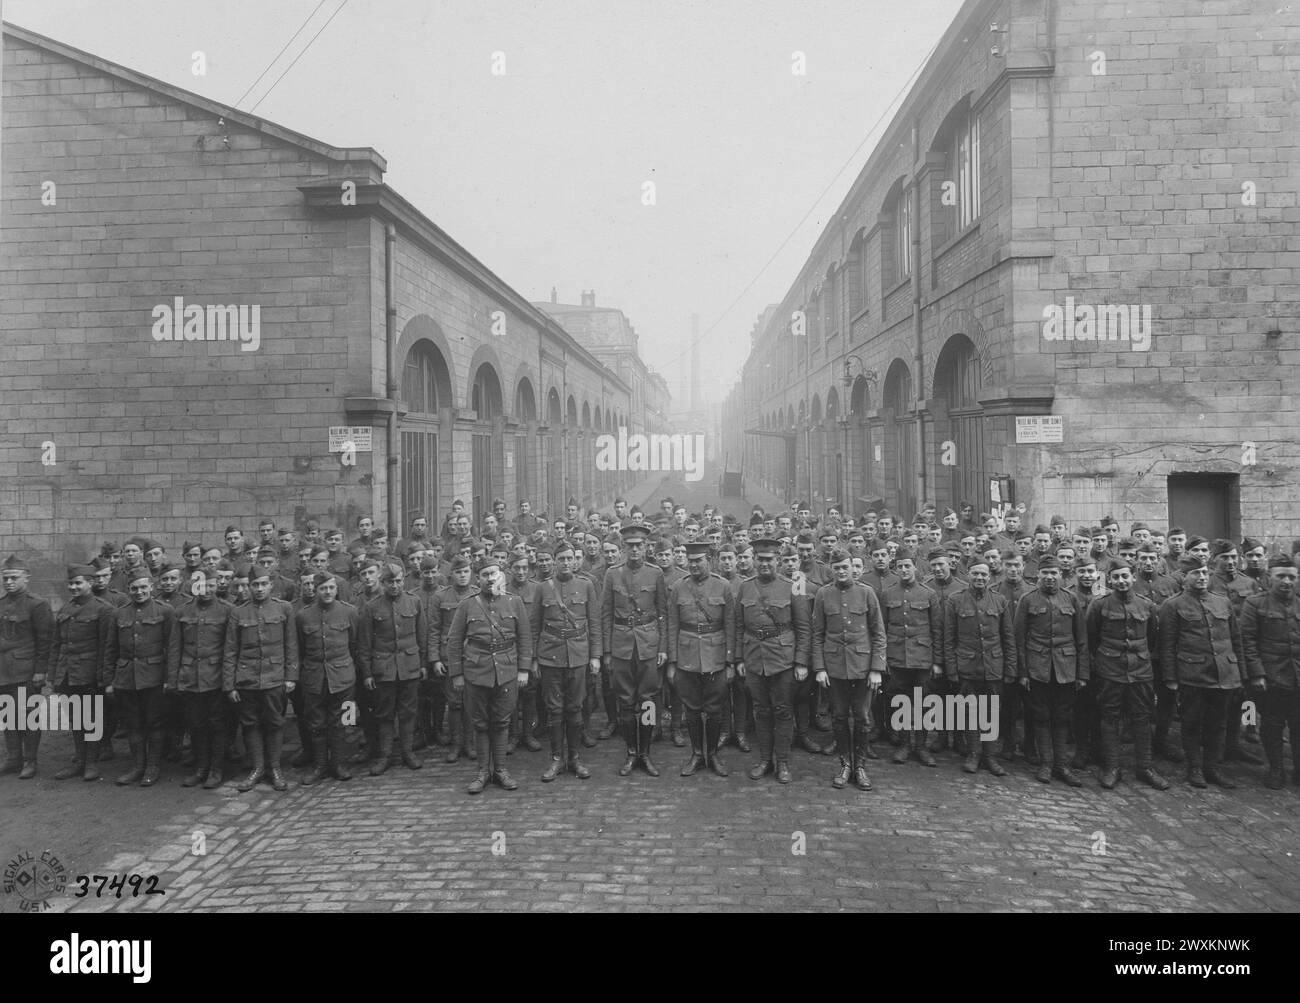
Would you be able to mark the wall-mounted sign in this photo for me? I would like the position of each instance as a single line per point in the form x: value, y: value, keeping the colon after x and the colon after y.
x: 1040, y: 428
x: 361, y: 437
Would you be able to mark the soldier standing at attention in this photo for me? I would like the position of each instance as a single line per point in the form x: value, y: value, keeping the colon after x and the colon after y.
x: 914, y: 647
x: 1052, y: 648
x: 260, y: 670
x: 700, y: 633
x: 80, y: 630
x: 26, y: 634
x: 490, y: 645
x: 848, y: 657
x: 329, y: 650
x: 634, y: 638
x: 134, y: 668
x: 459, y: 729
x: 568, y: 649
x: 979, y: 654
x: 194, y: 665
x: 1270, y: 641
x: 524, y: 723
x: 773, y: 646
x: 393, y: 641
x: 1201, y: 654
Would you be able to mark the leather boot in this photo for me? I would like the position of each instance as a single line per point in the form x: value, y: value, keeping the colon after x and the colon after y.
x: 611, y: 718
x: 1109, y: 754
x: 1144, y: 769
x: 13, y: 753
x: 1194, y: 757
x: 31, y: 742
x: 202, y: 751
x: 588, y: 740
x: 500, y: 736
x: 971, y: 763
x: 455, y: 737
x: 923, y: 753
x: 133, y: 775
x: 153, y: 757
x: 528, y: 723
x: 576, y: 766
x: 406, y: 743
x: 337, y: 744
x: 905, y: 748
x: 257, y: 756
x: 320, y: 762
x: 384, y: 751
x: 647, y: 735
x: 483, y: 755
x: 554, y: 770
x: 467, y: 731
x: 679, y: 735
x: 306, y: 749
x: 860, y: 778
x: 274, y: 742
x: 760, y: 770
x: 557, y: 729
x: 78, y: 764
x: 845, y: 771
x: 713, y: 741
x: 696, y: 727
x: 632, y: 737
x: 91, y: 771
x: 1270, y: 732
x: 1046, y: 751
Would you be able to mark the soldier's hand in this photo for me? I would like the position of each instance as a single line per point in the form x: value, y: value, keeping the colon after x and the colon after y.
x: 663, y: 658
x: 729, y: 673
x: 370, y: 682
x: 424, y: 672
x: 1024, y: 683
x: 234, y: 696
x: 936, y: 671
x: 522, y: 678
x: 823, y: 679
x: 458, y: 683
x: 1080, y: 684
x: 108, y: 691
x: 800, y: 673
x: 740, y: 668
x: 874, y: 679
x: 604, y: 661
x: 672, y: 672
x: 39, y: 680
x: 289, y: 687
x: 1258, y: 685
x: 1172, y: 686
x: 169, y: 687
x: 595, y: 666
x: 440, y: 670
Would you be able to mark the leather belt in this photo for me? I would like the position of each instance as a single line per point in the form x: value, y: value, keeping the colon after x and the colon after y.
x: 636, y: 621
x: 495, y: 646
x: 768, y: 633
x: 695, y: 628
x: 564, y: 632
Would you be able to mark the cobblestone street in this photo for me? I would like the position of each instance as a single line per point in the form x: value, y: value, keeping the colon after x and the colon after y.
x: 930, y: 840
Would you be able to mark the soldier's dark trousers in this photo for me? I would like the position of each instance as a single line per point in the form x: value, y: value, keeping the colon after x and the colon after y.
x: 565, y: 687
x: 802, y: 702
x: 261, y: 714
x: 324, y: 712
x: 773, y: 699
x: 737, y: 710
x: 297, y: 700
x: 205, y: 718
x: 905, y: 682
x: 983, y: 690
x: 1137, y: 702
x: 1280, y: 710
x: 1232, y: 718
x: 850, y: 701
x: 1166, y: 709
x: 636, y: 681
x: 1015, y: 707
x: 1087, y: 723
x: 1051, y: 705
x: 704, y: 695
x: 675, y: 705
x: 144, y: 713
x: 87, y: 748
x: 525, y: 721
x: 459, y: 723
x: 173, y: 722
x: 400, y: 698
x: 490, y: 710
x: 1204, y: 712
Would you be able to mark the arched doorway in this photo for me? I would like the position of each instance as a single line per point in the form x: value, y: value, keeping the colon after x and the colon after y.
x: 957, y: 384
x: 486, y: 476
x: 426, y: 389
x: 526, y: 416
x: 550, y: 458
x: 900, y: 403
x: 861, y: 470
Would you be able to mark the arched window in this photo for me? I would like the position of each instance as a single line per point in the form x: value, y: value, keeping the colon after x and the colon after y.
x: 426, y: 389
x: 900, y: 399
x: 957, y: 382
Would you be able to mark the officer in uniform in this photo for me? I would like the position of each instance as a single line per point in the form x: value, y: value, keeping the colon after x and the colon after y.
x: 568, y: 647
x: 634, y: 638
x: 848, y: 657
x: 701, y: 630
x: 393, y: 644
x: 1124, y: 648
x: 195, y: 657
x: 914, y: 648
x: 1201, y: 653
x: 523, y: 726
x: 663, y: 554
x: 979, y: 653
x: 773, y: 645
x: 134, y: 668
x: 26, y: 635
x: 80, y: 631
x: 329, y: 651
x: 1052, y: 655
x: 490, y: 646
x: 1270, y: 642
x: 260, y: 670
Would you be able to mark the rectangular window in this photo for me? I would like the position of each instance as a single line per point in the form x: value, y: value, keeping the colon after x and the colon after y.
x: 903, y: 230
x: 966, y: 157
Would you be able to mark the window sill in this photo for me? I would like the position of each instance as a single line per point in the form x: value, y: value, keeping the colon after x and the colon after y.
x: 945, y: 248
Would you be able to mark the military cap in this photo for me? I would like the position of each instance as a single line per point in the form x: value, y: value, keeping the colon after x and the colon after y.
x: 697, y: 550
x: 459, y: 563
x: 1139, y: 525
x: 726, y: 548
x: 310, y: 525
x: 80, y: 571
x: 255, y: 573
x: 1249, y: 543
x: 1048, y: 561
x: 369, y: 563
x: 662, y: 545
x: 1222, y: 547
x: 138, y: 574
x: 1084, y: 560
x: 321, y: 577
x: 765, y: 547
x: 428, y: 564
x: 190, y: 546
x: 14, y: 563
x: 1117, y: 565
x: 561, y: 548
x: 1195, y: 541
x: 634, y: 532
x: 1280, y: 561
x: 905, y: 554
x: 1058, y: 521
x: 838, y: 556
x: 390, y: 574
x: 102, y: 563
x: 108, y: 548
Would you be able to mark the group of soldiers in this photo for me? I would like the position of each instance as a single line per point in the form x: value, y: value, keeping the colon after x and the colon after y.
x: 692, y: 629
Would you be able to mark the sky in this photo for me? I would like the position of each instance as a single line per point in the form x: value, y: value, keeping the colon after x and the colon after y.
x: 540, y: 168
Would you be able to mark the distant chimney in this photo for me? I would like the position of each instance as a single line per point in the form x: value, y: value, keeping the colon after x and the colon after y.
x: 554, y: 294
x: 589, y: 297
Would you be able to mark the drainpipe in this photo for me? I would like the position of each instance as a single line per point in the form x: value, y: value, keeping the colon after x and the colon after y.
x: 916, y: 319
x: 394, y: 485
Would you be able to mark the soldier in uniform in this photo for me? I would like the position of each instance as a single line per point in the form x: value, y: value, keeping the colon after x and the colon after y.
x: 523, y: 725
x: 1052, y: 655
x: 848, y: 657
x: 393, y: 644
x: 1270, y: 642
x: 914, y: 648
x: 979, y: 653
x: 490, y: 645
x: 260, y: 669
x: 1015, y: 705
x: 329, y: 651
x: 80, y: 631
x: 1124, y: 649
x: 1201, y: 654
x: 195, y: 656
x: 568, y: 648
x: 634, y: 639
x: 945, y: 584
x: 1151, y: 582
x: 134, y: 669
x: 433, y: 701
x: 460, y: 730
x: 101, y: 589
x: 773, y: 644
x: 1227, y: 581
x: 701, y: 629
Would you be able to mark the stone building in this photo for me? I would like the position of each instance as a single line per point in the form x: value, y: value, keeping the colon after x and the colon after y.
x: 209, y: 318
x: 1069, y: 268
